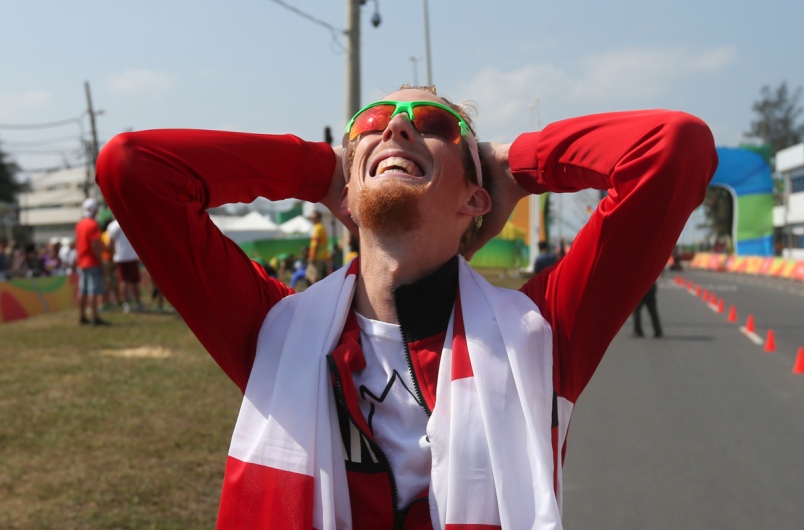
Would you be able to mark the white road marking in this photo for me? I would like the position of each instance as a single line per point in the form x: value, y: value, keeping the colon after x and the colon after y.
x: 756, y: 339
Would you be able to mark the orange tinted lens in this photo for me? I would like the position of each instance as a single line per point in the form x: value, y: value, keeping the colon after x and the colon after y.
x: 437, y: 121
x: 372, y: 119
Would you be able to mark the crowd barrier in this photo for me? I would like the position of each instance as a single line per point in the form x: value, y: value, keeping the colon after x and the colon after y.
x: 756, y: 265
x: 25, y: 297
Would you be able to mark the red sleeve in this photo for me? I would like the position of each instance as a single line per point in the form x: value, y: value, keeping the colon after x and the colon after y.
x: 159, y: 185
x: 655, y: 166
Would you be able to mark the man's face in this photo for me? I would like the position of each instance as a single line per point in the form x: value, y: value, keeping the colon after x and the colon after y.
x: 401, y: 179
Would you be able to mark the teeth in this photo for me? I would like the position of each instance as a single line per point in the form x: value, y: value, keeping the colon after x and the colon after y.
x: 399, y: 164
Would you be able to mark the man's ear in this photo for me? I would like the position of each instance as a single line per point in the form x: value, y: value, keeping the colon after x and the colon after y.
x: 478, y: 203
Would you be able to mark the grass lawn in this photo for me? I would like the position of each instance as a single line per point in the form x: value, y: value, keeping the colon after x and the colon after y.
x: 122, y: 427
x: 119, y: 427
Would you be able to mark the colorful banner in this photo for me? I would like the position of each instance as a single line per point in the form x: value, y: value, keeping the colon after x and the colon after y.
x: 748, y: 177
x: 24, y: 297
x: 754, y: 265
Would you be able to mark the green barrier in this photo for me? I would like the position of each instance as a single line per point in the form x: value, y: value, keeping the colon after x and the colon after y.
x: 496, y: 254
x: 502, y: 254
x: 266, y: 249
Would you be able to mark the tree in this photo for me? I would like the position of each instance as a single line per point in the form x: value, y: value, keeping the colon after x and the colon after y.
x: 777, y: 117
x: 719, y: 214
x: 9, y: 187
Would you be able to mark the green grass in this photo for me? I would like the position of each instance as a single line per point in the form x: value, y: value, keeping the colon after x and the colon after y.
x: 93, y: 440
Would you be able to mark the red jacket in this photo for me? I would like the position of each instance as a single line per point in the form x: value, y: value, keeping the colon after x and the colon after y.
x: 654, y: 165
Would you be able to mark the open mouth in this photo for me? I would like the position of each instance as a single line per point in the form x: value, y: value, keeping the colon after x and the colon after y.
x: 397, y: 164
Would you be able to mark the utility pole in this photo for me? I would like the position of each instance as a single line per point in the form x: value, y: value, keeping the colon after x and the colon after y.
x: 427, y: 45
x: 352, y: 58
x: 94, y: 153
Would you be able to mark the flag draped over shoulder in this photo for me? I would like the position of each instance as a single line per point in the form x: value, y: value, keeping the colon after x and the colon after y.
x: 490, y: 431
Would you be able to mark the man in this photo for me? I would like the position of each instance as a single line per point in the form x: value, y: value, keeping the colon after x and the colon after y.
x: 545, y: 258
x: 88, y: 248
x: 649, y: 301
x: 404, y: 391
x: 318, y: 263
x: 127, y: 267
x: 4, y: 261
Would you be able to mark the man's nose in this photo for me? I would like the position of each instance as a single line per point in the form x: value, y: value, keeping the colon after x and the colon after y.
x: 400, y: 127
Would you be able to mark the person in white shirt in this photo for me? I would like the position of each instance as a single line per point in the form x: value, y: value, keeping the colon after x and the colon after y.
x: 127, y: 265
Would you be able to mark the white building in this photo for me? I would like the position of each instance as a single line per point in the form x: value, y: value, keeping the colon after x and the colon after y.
x: 53, y: 205
x: 788, y: 219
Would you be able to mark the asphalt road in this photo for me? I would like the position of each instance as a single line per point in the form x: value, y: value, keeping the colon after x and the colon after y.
x: 701, y: 429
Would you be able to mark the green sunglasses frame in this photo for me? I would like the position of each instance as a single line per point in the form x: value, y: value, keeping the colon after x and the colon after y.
x: 407, y: 107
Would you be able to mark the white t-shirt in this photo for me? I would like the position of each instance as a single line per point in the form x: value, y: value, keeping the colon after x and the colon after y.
x: 123, y: 251
x: 398, y: 422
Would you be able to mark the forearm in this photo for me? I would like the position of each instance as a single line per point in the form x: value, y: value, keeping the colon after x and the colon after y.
x: 159, y: 185
x: 655, y: 166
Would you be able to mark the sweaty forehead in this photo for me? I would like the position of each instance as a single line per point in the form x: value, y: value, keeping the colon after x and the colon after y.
x: 413, y: 94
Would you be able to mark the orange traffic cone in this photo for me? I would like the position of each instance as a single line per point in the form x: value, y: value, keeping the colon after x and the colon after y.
x: 705, y: 295
x: 749, y: 324
x: 770, y: 342
x: 720, y: 307
x: 798, y: 368
x: 732, y: 314
x: 676, y: 280
x: 697, y: 290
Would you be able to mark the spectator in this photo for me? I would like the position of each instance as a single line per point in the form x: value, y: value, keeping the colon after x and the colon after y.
x: 300, y: 268
x: 112, y: 289
x: 4, y: 261
x: 49, y: 261
x: 649, y: 301
x: 127, y: 266
x: 88, y: 247
x: 318, y: 264
x: 67, y: 255
x: 352, y: 247
x: 545, y: 258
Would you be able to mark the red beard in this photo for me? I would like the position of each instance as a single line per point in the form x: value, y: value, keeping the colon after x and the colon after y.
x: 390, y: 209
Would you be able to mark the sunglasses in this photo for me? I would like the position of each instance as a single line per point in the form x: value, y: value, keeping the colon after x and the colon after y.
x: 427, y: 116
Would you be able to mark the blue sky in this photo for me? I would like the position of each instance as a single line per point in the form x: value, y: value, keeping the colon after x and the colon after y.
x: 252, y: 65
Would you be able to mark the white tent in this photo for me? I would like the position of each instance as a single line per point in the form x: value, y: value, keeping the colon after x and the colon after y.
x: 253, y: 221
x: 297, y: 225
x: 250, y: 227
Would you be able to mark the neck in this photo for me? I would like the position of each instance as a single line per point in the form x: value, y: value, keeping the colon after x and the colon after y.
x: 387, y: 263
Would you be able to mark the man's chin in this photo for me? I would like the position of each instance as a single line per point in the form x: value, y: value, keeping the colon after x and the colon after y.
x: 390, y: 209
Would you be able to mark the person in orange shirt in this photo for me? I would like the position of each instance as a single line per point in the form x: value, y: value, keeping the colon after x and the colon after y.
x: 88, y: 248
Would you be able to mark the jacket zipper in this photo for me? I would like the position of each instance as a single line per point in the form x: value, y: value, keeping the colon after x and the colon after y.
x: 398, y: 520
x: 411, y: 371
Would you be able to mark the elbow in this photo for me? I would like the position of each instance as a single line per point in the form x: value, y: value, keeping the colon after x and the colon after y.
x: 691, y: 146
x: 690, y: 155
x: 120, y: 168
x: 114, y: 159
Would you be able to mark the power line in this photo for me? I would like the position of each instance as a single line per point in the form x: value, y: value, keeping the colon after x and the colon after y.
x: 46, y: 125
x: 336, y: 32
x: 31, y: 143
x: 46, y: 169
x: 19, y: 151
